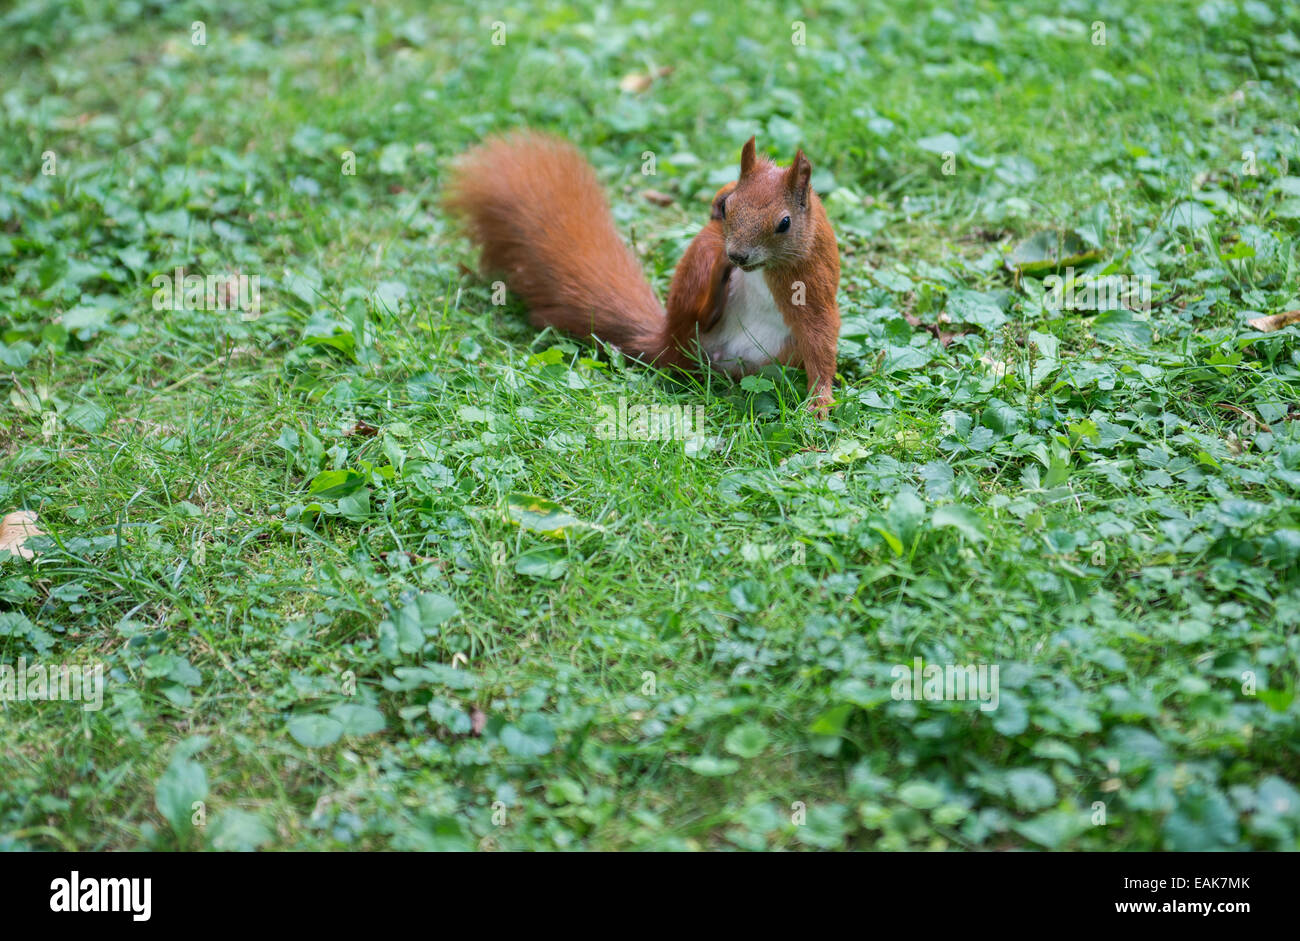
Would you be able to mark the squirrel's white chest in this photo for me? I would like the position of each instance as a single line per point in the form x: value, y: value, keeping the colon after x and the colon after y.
x: 751, y: 332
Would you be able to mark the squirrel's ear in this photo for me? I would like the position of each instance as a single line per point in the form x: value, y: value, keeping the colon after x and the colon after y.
x: 747, y: 157
x: 798, y: 177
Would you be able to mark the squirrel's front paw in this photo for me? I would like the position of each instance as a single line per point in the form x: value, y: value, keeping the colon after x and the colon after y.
x: 821, y: 403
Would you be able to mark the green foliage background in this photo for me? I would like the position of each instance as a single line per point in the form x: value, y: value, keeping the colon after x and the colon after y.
x: 292, y: 542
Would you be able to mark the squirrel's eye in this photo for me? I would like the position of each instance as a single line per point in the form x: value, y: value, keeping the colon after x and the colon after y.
x: 784, y: 224
x: 722, y: 208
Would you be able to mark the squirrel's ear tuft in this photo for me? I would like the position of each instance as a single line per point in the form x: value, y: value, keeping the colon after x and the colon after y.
x: 747, y: 157
x: 798, y: 178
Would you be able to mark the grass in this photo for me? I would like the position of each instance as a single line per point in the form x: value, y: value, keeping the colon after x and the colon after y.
x: 362, y: 573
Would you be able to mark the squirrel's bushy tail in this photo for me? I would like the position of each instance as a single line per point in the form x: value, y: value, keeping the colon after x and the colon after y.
x: 534, y: 206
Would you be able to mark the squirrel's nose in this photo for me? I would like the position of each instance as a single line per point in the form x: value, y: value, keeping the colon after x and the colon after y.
x: 738, y: 258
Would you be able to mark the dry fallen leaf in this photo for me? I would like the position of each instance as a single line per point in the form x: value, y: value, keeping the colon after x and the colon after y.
x: 632, y: 82
x: 360, y: 429
x: 16, y: 529
x: 656, y: 197
x: 1275, y: 322
x: 945, y: 337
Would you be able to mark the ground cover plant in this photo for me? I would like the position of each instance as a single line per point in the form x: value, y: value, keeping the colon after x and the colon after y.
x: 366, y: 568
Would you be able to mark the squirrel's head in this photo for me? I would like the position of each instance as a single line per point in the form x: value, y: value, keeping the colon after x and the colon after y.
x: 767, y: 214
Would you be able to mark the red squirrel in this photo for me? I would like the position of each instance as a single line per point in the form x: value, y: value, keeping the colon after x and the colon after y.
x: 757, y: 285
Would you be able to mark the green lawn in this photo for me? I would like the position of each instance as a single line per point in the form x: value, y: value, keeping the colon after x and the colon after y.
x: 362, y: 571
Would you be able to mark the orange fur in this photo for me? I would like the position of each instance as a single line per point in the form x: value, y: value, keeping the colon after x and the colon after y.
x: 698, y: 293
x: 535, y: 207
